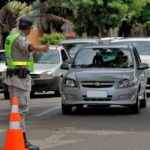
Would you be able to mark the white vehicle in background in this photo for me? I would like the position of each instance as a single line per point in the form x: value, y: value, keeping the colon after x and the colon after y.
x: 47, y: 72
x: 107, y: 40
x: 143, y: 47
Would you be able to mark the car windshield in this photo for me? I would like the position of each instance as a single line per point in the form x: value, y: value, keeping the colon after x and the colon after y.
x: 104, y: 57
x: 73, y: 48
x: 2, y: 57
x: 143, y: 47
x: 51, y: 57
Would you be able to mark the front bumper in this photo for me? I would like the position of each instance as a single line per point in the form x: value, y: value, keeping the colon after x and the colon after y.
x: 75, y: 96
x: 40, y: 85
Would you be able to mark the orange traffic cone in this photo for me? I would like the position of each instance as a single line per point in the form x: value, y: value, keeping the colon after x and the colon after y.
x: 14, y: 138
x: 14, y: 103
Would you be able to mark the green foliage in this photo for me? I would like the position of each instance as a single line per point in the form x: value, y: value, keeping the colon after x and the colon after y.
x: 10, y: 14
x: 53, y: 39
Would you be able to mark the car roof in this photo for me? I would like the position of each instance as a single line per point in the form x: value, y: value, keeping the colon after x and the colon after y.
x: 80, y: 40
x: 108, y: 46
x: 131, y: 39
x: 56, y: 47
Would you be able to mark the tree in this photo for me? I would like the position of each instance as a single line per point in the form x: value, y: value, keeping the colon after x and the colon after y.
x: 10, y: 14
x: 49, y: 14
x: 96, y: 16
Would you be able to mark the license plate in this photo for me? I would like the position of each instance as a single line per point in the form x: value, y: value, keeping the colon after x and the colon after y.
x: 97, y: 94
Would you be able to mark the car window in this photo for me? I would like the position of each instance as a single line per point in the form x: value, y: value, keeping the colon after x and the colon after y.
x: 2, y: 56
x: 143, y: 47
x: 64, y: 55
x: 104, y: 57
x: 73, y: 48
x: 51, y: 57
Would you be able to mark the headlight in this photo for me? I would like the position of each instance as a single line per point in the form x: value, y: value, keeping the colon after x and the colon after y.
x: 70, y: 83
x: 125, y: 83
x: 47, y: 74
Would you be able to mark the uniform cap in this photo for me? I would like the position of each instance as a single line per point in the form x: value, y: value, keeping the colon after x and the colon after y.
x: 26, y: 21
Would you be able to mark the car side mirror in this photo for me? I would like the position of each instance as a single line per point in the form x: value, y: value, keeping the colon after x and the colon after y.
x: 65, y: 66
x: 69, y: 61
x: 143, y: 66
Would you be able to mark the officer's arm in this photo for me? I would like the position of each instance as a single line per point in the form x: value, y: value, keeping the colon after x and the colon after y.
x: 34, y: 47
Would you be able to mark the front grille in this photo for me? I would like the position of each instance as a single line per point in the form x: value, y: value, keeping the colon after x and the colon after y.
x: 97, y: 84
x: 148, y: 87
x: 108, y: 98
x: 35, y: 76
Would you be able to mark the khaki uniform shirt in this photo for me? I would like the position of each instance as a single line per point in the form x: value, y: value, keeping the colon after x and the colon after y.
x: 20, y: 52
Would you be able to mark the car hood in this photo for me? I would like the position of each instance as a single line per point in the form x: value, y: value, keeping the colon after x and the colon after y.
x: 103, y: 74
x: 145, y: 59
x: 40, y: 68
x: 2, y: 67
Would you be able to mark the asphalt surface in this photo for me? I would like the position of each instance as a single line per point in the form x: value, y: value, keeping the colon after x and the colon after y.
x: 113, y: 128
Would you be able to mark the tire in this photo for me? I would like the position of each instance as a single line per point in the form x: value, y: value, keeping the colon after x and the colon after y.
x: 135, y: 109
x: 143, y: 102
x: 66, y: 109
x: 31, y: 94
x: 6, y: 95
x: 57, y: 92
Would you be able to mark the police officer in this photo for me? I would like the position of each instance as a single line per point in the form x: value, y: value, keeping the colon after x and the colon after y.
x: 19, y: 65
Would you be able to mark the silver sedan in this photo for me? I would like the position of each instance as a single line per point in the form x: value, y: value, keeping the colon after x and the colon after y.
x: 103, y: 76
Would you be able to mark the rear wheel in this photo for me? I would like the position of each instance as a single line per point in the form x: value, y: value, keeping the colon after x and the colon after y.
x: 66, y: 109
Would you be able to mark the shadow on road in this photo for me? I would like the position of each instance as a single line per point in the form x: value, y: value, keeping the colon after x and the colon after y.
x: 119, y: 110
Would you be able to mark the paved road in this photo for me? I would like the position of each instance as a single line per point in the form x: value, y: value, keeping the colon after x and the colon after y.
x: 87, y: 129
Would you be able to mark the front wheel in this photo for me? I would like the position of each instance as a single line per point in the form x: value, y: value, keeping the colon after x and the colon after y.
x: 66, y: 109
x: 135, y: 109
x: 57, y: 92
x: 143, y: 102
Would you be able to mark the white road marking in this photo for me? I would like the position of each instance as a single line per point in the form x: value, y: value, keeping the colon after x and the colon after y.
x: 58, y: 138
x: 54, y: 141
x: 100, y: 132
x: 47, y: 111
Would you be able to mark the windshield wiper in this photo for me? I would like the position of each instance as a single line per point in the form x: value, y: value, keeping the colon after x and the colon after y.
x: 80, y: 65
